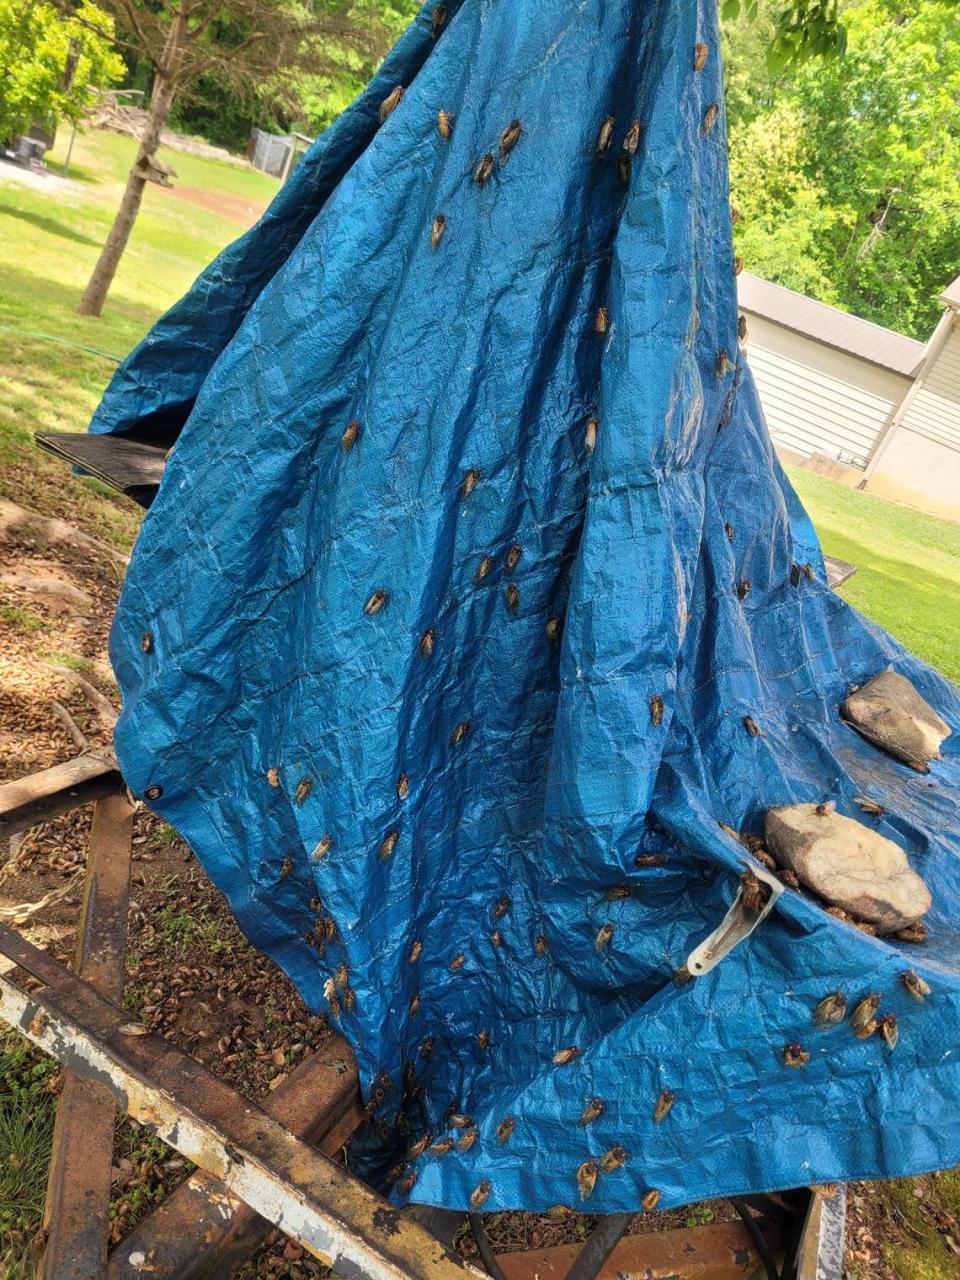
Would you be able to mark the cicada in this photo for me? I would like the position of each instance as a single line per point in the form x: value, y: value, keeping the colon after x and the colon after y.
x: 613, y: 1159
x: 349, y: 437
x: 656, y: 709
x: 467, y: 1139
x: 650, y: 1201
x: 323, y: 848
x: 376, y: 601
x: 414, y: 953
x: 512, y: 597
x: 426, y: 643
x: 889, y: 1029
x: 590, y: 435
x: 481, y: 1194
x: 509, y: 138
x: 458, y: 961
x: 752, y: 727
x: 505, y: 1129
x: 438, y: 18
x: 483, y: 568
x: 872, y: 807
x: 437, y: 228
x: 604, y: 934
x: 469, y: 482
x: 592, y: 1111
x: 554, y: 631
x: 664, y: 1104
x: 564, y: 1056
x: 605, y: 136
x: 501, y: 907
x: 587, y: 1176
x: 403, y: 787
x: 273, y: 777
x: 459, y: 733
x: 445, y: 125
x: 304, y: 787
x: 391, y: 102
x: 484, y: 170
x: 602, y: 322
x: 831, y: 1010
x: 794, y: 1055
x: 709, y: 118
x: 915, y: 985
x: 419, y: 1147
x: 388, y: 844
x: 864, y: 1013
x: 513, y: 557
x: 632, y: 140
x: 701, y: 53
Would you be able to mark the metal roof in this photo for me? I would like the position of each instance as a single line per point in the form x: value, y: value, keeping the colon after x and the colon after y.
x: 834, y: 328
x: 951, y: 294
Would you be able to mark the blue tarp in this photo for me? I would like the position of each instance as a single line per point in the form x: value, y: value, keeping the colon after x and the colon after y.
x: 395, y: 687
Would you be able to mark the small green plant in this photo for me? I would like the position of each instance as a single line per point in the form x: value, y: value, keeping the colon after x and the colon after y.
x: 26, y: 1134
x: 20, y: 616
x: 700, y: 1215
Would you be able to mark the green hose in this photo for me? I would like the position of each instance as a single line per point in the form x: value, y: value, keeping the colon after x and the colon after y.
x: 62, y: 342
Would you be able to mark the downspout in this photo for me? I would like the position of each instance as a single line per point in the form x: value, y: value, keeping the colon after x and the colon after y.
x: 936, y: 344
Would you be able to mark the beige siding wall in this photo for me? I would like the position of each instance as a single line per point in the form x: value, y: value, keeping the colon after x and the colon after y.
x: 934, y: 411
x: 920, y: 472
x: 818, y: 400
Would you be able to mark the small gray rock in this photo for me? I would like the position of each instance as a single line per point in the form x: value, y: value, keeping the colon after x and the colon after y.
x: 889, y: 712
x: 848, y: 864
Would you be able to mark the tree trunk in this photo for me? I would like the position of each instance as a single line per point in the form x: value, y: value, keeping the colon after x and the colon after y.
x: 161, y: 100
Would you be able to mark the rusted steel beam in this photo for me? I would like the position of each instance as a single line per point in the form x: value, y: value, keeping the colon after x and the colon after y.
x: 45, y: 795
x: 76, y: 1216
x: 201, y: 1229
x: 722, y: 1251
x: 330, y: 1213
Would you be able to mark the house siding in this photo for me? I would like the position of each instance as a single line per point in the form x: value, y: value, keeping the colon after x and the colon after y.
x: 819, y: 400
x: 934, y: 412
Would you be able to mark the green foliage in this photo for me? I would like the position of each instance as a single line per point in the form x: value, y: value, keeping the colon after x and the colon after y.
x: 802, y: 29
x: 300, y: 99
x: 37, y: 45
x: 847, y: 170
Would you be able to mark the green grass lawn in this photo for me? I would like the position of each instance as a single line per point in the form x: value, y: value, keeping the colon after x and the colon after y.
x: 48, y: 246
x: 908, y: 565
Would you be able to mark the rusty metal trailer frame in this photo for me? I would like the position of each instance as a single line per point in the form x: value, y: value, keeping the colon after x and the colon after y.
x: 270, y: 1165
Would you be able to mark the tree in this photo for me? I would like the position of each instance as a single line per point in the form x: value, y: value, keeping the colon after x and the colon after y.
x: 848, y: 174
x: 305, y: 100
x: 240, y: 43
x: 50, y: 66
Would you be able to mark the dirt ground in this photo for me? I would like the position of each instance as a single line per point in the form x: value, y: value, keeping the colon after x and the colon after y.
x: 234, y: 208
x: 191, y: 976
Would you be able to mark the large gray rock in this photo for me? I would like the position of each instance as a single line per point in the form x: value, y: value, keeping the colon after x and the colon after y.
x: 848, y: 864
x: 889, y: 712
